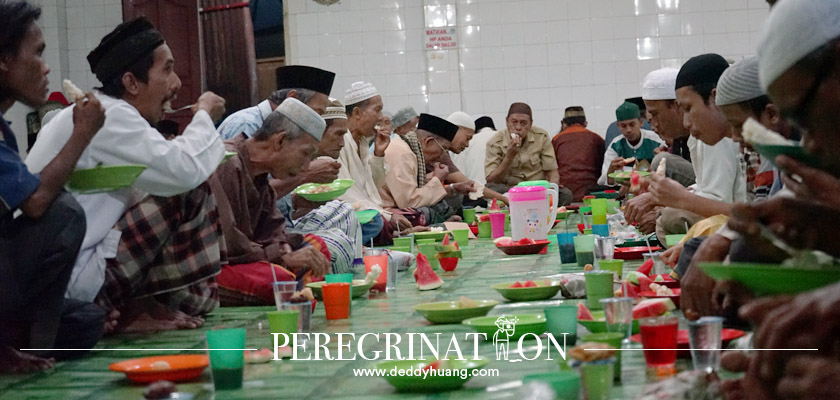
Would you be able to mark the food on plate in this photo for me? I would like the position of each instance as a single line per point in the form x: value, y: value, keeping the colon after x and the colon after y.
x: 561, y: 209
x: 374, y: 273
x: 284, y: 351
x: 503, y: 241
x: 478, y: 191
x: 635, y: 181
x: 531, y: 284
x: 629, y: 160
x: 653, y: 308
x: 584, y: 313
x: 73, y: 92
x: 425, y: 276
x: 437, y: 364
x: 661, y: 290
x: 661, y: 169
x: 260, y: 356
x: 592, y: 351
x: 319, y: 189
x: 160, y: 365
x: 644, y: 283
x: 755, y: 133
x: 436, y: 229
x: 634, y: 276
x: 465, y: 302
x: 526, y: 241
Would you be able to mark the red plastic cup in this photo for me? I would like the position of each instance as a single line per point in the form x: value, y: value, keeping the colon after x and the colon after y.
x: 336, y: 300
x: 659, y: 340
x: 497, y: 225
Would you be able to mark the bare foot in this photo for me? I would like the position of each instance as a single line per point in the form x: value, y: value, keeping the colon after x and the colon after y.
x: 150, y: 316
x: 111, y: 322
x: 16, y: 362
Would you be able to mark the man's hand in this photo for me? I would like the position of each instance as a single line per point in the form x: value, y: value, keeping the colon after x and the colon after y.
x: 307, y: 258
x: 322, y: 171
x: 672, y: 255
x: 402, y: 222
x: 88, y: 117
x: 696, y: 286
x: 617, y: 164
x: 213, y: 104
x: 463, y: 187
x: 514, y: 146
x: 729, y: 296
x: 816, y: 185
x: 638, y: 206
x: 667, y: 192
x: 380, y: 143
x: 810, y: 377
x: 441, y: 171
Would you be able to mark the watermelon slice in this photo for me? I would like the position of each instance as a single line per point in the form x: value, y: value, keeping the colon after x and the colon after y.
x: 494, y: 206
x: 659, y: 279
x: 530, y: 284
x: 652, y: 308
x: 644, y: 283
x: 445, y: 248
x: 516, y: 285
x: 426, y: 278
x: 584, y: 313
x: 634, y: 182
x: 448, y: 263
x: 634, y: 276
x: 646, y: 267
x: 445, y: 239
x: 526, y: 241
x: 484, y: 218
x: 632, y: 290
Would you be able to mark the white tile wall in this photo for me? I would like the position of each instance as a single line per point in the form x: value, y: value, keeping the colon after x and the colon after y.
x: 550, y: 53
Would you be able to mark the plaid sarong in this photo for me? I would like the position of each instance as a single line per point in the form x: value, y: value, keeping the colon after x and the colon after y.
x: 171, y: 248
x: 414, y: 144
x: 336, y: 223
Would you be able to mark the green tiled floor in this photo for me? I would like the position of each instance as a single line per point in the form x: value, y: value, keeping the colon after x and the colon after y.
x: 482, y: 266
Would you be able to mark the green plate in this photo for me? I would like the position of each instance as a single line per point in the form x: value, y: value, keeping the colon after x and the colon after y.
x: 605, y: 195
x: 358, y: 289
x: 339, y: 187
x: 526, y: 294
x: 430, y: 235
x: 527, y: 323
x: 366, y: 216
x: 103, y: 179
x: 598, y: 324
x: 432, y: 383
x: 771, y: 151
x: 771, y: 279
x: 624, y: 176
x: 449, y: 312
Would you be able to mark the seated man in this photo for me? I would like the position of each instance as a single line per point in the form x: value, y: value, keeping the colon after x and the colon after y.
x: 133, y: 258
x: 364, y: 109
x: 521, y: 152
x: 716, y: 159
x: 635, y: 145
x: 613, y: 131
x: 333, y: 221
x: 254, y: 229
x: 579, y: 153
x: 471, y: 161
x: 39, y: 248
x: 436, y: 201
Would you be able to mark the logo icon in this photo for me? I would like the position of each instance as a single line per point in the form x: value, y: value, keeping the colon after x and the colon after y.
x: 501, y: 339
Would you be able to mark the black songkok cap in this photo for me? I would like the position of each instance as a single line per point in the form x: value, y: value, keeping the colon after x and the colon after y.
x: 437, y: 126
x: 484, y: 122
x: 702, y: 69
x: 637, y: 101
x: 303, y: 77
x: 125, y: 45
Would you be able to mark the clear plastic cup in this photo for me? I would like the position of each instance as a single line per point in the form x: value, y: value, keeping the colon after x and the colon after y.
x: 304, y: 309
x: 283, y: 292
x: 619, y: 314
x: 704, y: 334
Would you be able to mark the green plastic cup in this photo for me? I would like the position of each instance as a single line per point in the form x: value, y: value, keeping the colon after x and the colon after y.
x: 599, y: 285
x: 616, y: 266
x: 672, y: 240
x: 343, y: 278
x: 469, y: 215
x: 613, y: 206
x: 484, y: 230
x: 566, y: 384
x: 562, y: 319
x: 584, y: 250
x: 227, y: 364
x: 462, y: 236
x: 430, y: 251
x: 610, y: 338
x: 596, y: 378
x: 425, y: 241
x: 405, y: 249
x: 587, y: 231
x: 283, y: 321
x: 406, y: 241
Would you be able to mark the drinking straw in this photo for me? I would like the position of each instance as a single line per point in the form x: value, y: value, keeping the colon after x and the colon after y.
x: 273, y: 273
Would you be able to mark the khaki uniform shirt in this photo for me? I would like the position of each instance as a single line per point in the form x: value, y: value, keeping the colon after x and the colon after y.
x: 535, y: 156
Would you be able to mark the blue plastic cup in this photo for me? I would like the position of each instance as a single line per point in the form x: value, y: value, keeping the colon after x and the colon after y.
x: 601, y: 230
x: 566, y: 245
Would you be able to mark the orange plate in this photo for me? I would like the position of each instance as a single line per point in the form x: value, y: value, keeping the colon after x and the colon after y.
x: 182, y: 368
x: 522, y: 249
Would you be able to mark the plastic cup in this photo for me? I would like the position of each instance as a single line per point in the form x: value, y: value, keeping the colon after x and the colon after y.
x: 616, y: 266
x: 599, y: 229
x: 430, y: 251
x: 613, y: 339
x: 588, y: 200
x: 462, y: 236
x: 604, y: 247
x: 659, y: 266
x: 703, y: 334
x: 596, y: 378
x: 283, y: 321
x: 348, y: 278
x: 304, y: 310
x: 405, y: 241
x: 469, y: 215
x: 226, y: 364
x: 566, y: 384
x: 673, y: 240
x: 659, y: 341
x: 584, y: 247
x: 613, y: 206
x: 283, y: 292
x: 336, y: 300
x: 376, y: 257
x: 425, y: 241
x: 599, y: 285
x: 497, y: 225
x: 403, y: 249
x: 566, y: 245
x: 484, y: 229
x: 619, y: 315
x: 562, y: 319
x: 599, y: 211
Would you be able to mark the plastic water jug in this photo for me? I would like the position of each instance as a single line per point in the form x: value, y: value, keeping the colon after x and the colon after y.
x: 552, y: 196
x: 529, y: 212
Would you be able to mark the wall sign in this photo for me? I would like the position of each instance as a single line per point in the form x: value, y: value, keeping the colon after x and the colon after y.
x: 443, y: 38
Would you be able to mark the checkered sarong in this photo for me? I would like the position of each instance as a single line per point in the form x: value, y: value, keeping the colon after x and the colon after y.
x: 171, y: 248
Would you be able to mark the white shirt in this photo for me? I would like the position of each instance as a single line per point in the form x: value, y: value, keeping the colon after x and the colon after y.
x: 471, y: 160
x: 718, y: 170
x: 172, y: 167
x: 368, y: 174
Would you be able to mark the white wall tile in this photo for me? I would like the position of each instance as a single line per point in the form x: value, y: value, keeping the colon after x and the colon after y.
x: 737, y: 21
x: 624, y: 27
x: 515, y: 78
x: 537, y: 77
x: 536, y: 54
x: 559, y: 76
x: 647, y: 25
x: 577, y: 9
x: 623, y: 8
x: 670, y: 24
x: 579, y: 30
x: 558, y: 53
x: 514, y: 56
